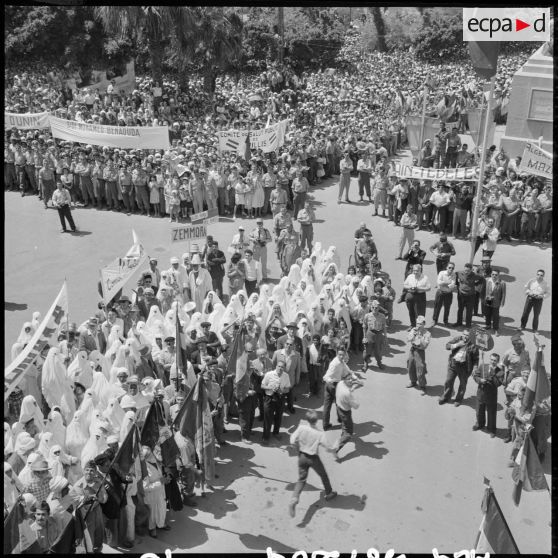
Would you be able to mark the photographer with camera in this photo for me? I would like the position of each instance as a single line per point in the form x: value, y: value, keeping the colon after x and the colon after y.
x: 275, y: 384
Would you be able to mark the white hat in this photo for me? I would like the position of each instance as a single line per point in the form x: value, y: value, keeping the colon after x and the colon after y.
x: 196, y: 259
x: 174, y: 260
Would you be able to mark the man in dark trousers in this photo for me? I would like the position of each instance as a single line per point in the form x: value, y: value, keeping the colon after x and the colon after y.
x: 215, y: 260
x: 275, y: 384
x: 488, y: 377
x: 443, y: 250
x: 494, y: 297
x: 307, y: 439
x: 61, y: 199
x: 466, y: 281
x: 245, y: 394
x: 463, y: 358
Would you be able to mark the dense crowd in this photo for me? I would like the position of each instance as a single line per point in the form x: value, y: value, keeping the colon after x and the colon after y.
x: 64, y: 424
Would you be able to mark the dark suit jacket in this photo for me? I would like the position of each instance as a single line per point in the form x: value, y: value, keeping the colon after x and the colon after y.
x: 472, y: 357
x: 498, y: 293
x: 87, y: 342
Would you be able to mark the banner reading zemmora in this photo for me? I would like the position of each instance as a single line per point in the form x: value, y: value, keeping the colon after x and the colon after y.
x: 47, y: 332
x: 120, y: 271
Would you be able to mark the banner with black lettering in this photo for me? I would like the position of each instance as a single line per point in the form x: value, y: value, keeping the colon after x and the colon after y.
x: 536, y: 161
x: 27, y: 121
x: 448, y: 175
x: 47, y: 332
x: 267, y: 139
x: 126, y: 137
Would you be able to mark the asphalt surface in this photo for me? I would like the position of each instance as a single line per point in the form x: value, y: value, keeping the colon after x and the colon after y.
x: 413, y: 478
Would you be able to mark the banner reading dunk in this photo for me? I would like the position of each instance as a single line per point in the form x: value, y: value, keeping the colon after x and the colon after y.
x: 451, y: 175
x: 28, y: 121
x: 126, y: 137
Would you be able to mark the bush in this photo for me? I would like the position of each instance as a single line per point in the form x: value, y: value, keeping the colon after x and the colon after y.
x: 441, y: 39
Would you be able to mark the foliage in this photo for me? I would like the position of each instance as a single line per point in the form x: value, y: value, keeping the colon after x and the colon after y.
x: 402, y: 27
x: 442, y: 39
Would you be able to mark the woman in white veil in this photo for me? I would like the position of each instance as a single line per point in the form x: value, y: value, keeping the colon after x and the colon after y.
x: 24, y: 337
x: 45, y: 443
x: 265, y: 293
x: 128, y: 420
x: 209, y: 302
x: 367, y: 285
x: 252, y: 301
x: 114, y: 414
x: 95, y: 445
x: 135, y: 357
x: 329, y: 274
x: 101, y: 389
x: 315, y: 319
x: 294, y: 276
x: 100, y: 363
x: 342, y: 311
x: 338, y: 283
x: 77, y: 434
x: 29, y: 411
x: 154, y: 317
x: 36, y: 321
x: 55, y: 425
x: 80, y: 370
x: 276, y: 314
x: 281, y: 297
x: 54, y: 380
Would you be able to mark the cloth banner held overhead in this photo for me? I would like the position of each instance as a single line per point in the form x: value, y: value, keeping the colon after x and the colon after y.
x: 431, y: 128
x: 536, y: 161
x: 127, y: 137
x: 119, y: 272
x: 47, y: 332
x: 27, y: 121
x: 451, y: 175
x: 476, y: 124
x: 268, y: 139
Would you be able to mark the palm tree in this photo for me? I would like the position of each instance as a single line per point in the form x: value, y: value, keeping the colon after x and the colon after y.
x: 380, y: 27
x: 152, y: 24
x: 214, y: 43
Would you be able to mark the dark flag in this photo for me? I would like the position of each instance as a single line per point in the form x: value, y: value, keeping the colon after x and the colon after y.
x: 179, y: 363
x: 66, y: 541
x: 527, y: 472
x: 494, y: 535
x: 155, y: 431
x: 247, y: 148
x: 11, y: 529
x: 538, y: 387
x: 128, y: 451
x: 194, y: 422
x: 484, y: 57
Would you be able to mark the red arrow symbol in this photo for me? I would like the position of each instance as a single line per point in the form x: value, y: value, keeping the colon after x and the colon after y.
x: 519, y: 24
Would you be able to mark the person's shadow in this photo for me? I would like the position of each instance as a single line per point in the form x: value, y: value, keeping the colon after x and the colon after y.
x: 79, y: 233
x: 361, y: 447
x: 342, y: 502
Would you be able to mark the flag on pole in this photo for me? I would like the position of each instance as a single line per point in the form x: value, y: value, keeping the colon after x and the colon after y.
x: 128, y: 451
x: 527, y: 472
x: 194, y: 422
x: 238, y: 366
x: 155, y: 431
x: 484, y: 57
x: 494, y: 534
x: 66, y: 541
x: 247, y: 151
x: 538, y: 387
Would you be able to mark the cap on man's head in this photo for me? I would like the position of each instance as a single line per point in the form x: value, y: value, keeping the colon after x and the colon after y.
x: 292, y: 325
x: 241, y: 228
x: 169, y: 339
x: 125, y: 299
x: 174, y: 260
x: 259, y: 220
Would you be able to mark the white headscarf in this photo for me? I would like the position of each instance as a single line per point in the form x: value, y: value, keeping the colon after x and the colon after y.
x: 54, y: 380
x: 55, y: 426
x: 100, y: 360
x: 36, y: 320
x: 77, y: 434
x: 80, y: 370
x: 26, y: 475
x: 95, y: 445
x: 294, y: 276
x: 211, y: 300
x: 30, y: 410
x: 115, y: 334
x: 114, y: 414
x: 154, y: 316
x: 215, y: 319
x: 25, y: 337
x: 127, y: 422
x: 8, y: 440
x: 100, y: 388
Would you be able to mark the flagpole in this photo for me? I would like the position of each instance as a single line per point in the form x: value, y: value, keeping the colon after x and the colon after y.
x: 480, y: 121
x: 475, y: 219
x: 200, y: 413
x: 422, y: 122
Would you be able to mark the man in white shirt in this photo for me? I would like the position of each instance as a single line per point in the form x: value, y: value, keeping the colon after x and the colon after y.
x: 61, y: 199
x: 336, y: 371
x: 345, y: 402
x: 308, y: 439
x: 408, y: 224
x: 488, y: 236
x: 260, y: 237
x: 275, y: 384
x: 305, y: 218
x: 536, y: 290
x: 253, y: 272
x: 444, y: 294
x: 239, y: 242
x: 415, y: 288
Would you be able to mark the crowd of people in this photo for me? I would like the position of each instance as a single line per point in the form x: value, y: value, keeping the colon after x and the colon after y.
x: 64, y: 424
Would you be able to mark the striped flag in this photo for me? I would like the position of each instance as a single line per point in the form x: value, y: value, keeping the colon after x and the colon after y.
x: 47, y: 332
x: 538, y: 387
x: 195, y: 423
x: 494, y: 534
x: 527, y: 472
x: 484, y: 57
x: 232, y: 144
x: 238, y: 365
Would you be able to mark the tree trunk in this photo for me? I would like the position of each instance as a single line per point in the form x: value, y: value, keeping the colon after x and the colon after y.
x: 156, y: 57
x: 380, y: 28
x: 209, y: 78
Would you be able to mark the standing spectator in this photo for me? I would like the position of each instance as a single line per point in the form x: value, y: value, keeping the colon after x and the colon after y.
x: 466, y: 281
x: 488, y: 377
x: 414, y: 256
x: 444, y: 294
x: 536, y: 290
x: 236, y: 274
x: 305, y: 218
x: 260, y: 237
x: 61, y: 200
x: 374, y: 332
x: 464, y: 356
x: 275, y: 384
x: 346, y: 166
x: 415, y: 287
x: 216, y: 266
x: 300, y: 188
x: 345, y: 403
x: 463, y: 198
x: 45, y: 527
x: 488, y: 236
x: 494, y: 297
x: 364, y: 168
x: 530, y: 207
x: 443, y: 250
x: 419, y: 338
x: 46, y: 181
x: 408, y: 225
x: 253, y: 272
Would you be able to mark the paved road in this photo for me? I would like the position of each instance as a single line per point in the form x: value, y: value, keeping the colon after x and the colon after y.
x: 418, y: 465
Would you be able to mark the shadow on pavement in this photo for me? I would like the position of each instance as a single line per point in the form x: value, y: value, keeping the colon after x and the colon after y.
x: 368, y: 449
x: 218, y: 503
x: 79, y: 233
x: 14, y: 306
x: 341, y: 502
x: 437, y: 332
x: 434, y: 391
x: 370, y: 427
x: 393, y: 370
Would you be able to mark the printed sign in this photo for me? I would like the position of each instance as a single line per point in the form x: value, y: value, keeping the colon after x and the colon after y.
x: 127, y: 137
x: 268, y: 139
x: 187, y: 233
x: 204, y: 215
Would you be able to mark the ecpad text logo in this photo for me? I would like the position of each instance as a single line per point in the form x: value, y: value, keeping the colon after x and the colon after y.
x: 506, y: 24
